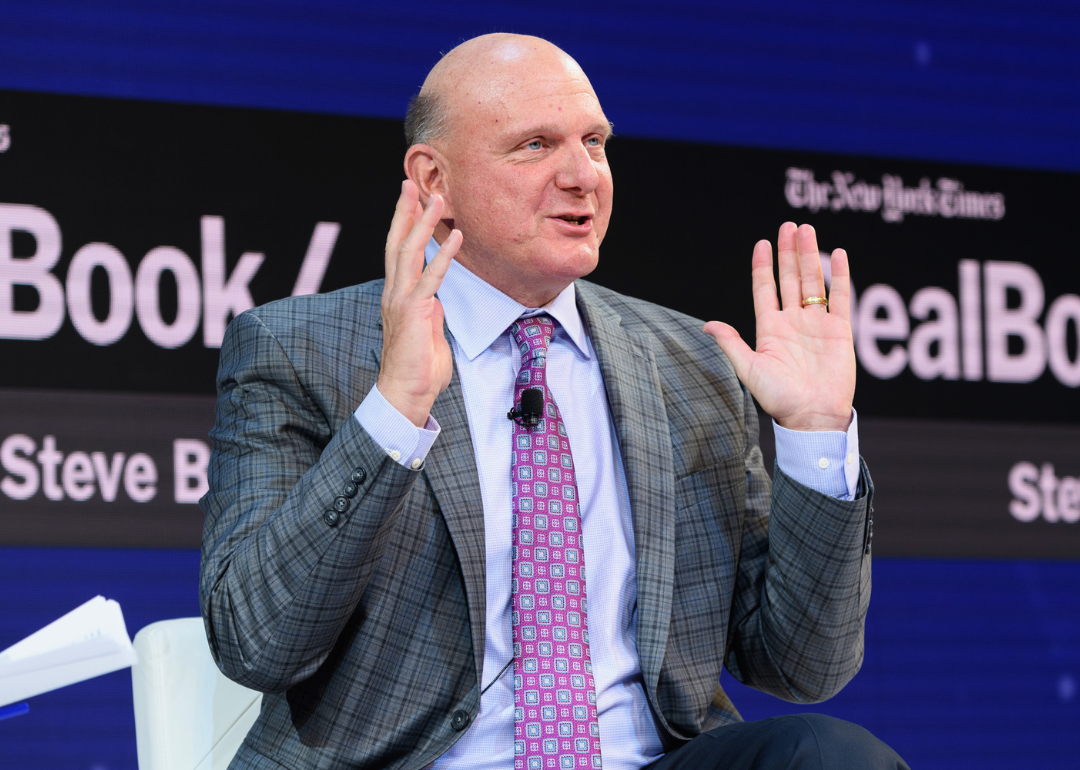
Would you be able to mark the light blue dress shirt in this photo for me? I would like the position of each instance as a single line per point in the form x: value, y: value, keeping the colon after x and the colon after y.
x: 478, y: 317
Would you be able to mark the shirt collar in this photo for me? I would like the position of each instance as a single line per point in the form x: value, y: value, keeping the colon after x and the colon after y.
x: 478, y: 314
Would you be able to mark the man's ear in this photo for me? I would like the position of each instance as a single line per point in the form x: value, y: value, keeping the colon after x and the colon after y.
x: 427, y: 168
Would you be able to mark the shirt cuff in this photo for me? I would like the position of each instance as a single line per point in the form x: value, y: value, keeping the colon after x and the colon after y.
x: 825, y: 461
x: 404, y: 442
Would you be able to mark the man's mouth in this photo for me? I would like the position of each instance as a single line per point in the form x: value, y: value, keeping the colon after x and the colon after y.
x: 574, y: 220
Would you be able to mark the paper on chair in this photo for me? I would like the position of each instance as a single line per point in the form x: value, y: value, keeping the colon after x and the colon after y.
x: 89, y: 641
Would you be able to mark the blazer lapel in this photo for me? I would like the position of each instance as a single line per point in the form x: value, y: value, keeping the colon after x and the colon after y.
x: 634, y: 394
x: 450, y: 470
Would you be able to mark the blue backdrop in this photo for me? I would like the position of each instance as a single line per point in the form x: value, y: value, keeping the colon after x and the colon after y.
x: 985, y: 81
x: 968, y: 664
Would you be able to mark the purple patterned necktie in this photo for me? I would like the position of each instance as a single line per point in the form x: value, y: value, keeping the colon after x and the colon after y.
x: 555, y: 723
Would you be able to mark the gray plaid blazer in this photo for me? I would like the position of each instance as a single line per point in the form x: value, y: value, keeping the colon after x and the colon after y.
x: 364, y: 623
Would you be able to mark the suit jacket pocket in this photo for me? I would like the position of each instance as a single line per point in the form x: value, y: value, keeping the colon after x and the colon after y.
x: 709, y: 511
x: 722, y: 484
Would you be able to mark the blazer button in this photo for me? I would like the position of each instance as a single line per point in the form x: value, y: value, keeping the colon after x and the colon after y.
x: 460, y: 720
x: 331, y: 518
x: 341, y: 504
x: 358, y: 476
x: 350, y: 489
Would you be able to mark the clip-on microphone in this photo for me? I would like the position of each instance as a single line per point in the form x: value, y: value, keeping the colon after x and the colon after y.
x: 530, y: 410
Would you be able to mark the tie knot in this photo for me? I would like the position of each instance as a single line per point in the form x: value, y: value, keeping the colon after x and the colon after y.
x: 533, y: 335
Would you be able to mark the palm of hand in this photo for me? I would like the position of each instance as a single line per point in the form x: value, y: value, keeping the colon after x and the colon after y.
x: 803, y: 371
x: 416, y: 362
x: 416, y: 354
x: 804, y: 368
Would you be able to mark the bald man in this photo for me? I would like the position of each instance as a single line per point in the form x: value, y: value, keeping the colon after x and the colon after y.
x: 414, y: 580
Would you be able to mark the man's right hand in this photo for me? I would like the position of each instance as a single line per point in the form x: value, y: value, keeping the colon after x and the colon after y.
x: 416, y: 358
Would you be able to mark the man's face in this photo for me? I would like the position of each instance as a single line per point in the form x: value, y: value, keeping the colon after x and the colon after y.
x: 529, y: 183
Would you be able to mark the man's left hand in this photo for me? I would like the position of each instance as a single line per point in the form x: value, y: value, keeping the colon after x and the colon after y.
x: 803, y: 371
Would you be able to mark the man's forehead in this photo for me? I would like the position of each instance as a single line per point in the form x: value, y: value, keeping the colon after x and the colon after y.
x: 537, y: 91
x: 528, y: 94
x: 501, y: 85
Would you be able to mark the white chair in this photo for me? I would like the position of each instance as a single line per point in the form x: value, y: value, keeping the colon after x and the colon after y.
x: 188, y: 716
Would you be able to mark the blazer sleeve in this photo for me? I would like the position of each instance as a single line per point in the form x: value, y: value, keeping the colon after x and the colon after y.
x: 281, y: 574
x: 803, y: 583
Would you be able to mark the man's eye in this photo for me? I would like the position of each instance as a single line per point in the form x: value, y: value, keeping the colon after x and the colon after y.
x: 535, y: 144
x: 593, y: 141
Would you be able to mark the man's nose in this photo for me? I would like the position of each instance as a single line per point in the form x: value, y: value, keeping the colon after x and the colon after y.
x: 577, y: 172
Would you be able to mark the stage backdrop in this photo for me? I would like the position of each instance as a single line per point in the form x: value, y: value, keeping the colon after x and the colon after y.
x: 132, y: 231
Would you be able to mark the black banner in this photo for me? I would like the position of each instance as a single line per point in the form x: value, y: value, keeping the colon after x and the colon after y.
x: 176, y: 218
x: 131, y: 232
x: 102, y: 469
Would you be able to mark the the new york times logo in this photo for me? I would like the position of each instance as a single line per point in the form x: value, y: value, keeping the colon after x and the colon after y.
x: 947, y: 198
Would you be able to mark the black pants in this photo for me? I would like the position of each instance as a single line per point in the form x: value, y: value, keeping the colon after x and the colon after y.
x: 802, y: 742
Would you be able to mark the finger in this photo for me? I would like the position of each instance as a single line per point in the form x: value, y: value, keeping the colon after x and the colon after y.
x: 787, y: 256
x: 763, y: 282
x: 737, y: 351
x: 434, y: 273
x: 410, y: 261
x: 400, y: 225
x: 840, y: 285
x: 437, y: 316
x: 812, y: 282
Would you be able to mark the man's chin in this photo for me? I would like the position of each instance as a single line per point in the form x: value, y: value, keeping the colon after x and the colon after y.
x: 568, y: 270
x: 533, y: 274
x: 571, y: 261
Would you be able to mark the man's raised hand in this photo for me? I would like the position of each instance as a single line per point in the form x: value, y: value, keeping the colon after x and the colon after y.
x: 416, y: 358
x: 803, y: 371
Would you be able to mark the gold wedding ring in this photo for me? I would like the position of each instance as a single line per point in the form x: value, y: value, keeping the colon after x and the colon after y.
x: 816, y: 301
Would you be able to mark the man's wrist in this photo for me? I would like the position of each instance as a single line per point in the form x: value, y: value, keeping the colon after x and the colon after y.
x: 405, y: 443
x: 817, y: 422
x: 414, y: 408
x: 826, y: 461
